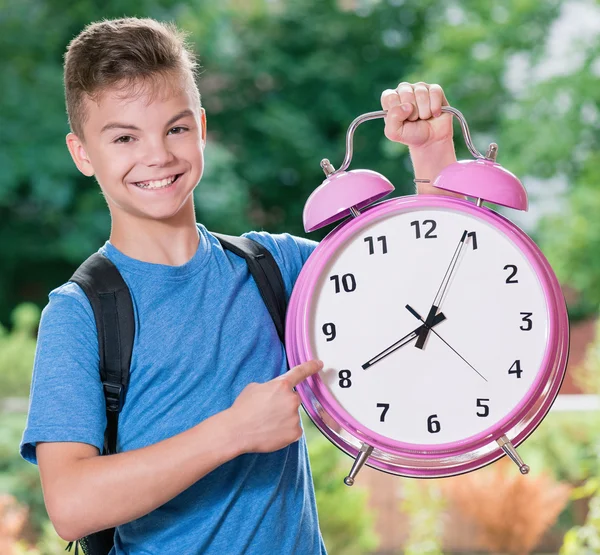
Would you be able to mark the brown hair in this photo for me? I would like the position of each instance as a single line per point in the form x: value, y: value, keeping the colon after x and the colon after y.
x: 125, y: 53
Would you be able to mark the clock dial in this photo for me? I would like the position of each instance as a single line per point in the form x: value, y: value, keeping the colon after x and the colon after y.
x: 478, y: 357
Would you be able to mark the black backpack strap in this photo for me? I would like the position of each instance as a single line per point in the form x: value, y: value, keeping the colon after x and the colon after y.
x: 113, y: 311
x: 265, y: 272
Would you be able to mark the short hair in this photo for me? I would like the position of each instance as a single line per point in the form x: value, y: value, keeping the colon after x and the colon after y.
x: 124, y: 53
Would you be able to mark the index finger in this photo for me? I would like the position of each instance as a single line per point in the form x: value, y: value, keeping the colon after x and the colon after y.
x: 389, y: 99
x: 301, y: 372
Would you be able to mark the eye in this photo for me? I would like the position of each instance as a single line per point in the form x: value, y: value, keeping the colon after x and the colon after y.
x: 177, y: 130
x: 123, y: 140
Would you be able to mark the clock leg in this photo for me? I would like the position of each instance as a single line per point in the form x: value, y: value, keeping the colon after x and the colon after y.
x: 359, y: 462
x: 509, y: 449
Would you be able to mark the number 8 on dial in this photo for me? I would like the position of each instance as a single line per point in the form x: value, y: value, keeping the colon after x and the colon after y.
x: 442, y: 327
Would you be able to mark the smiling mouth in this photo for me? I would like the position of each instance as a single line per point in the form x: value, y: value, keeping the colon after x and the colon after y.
x: 158, y: 184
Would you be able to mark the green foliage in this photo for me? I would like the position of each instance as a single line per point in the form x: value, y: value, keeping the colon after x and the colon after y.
x: 281, y: 87
x: 17, y: 350
x: 572, y: 239
x: 587, y: 375
x: 536, y: 94
x: 345, y: 522
x: 18, y: 477
x: 565, y: 444
x: 423, y: 503
x: 469, y: 49
x: 585, y: 540
x: 21, y: 479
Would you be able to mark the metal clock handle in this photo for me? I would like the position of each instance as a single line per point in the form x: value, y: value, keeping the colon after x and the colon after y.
x: 359, y: 462
x: 510, y: 450
x: 331, y: 171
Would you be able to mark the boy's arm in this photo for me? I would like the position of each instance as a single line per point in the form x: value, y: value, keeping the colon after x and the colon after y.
x: 85, y: 492
x: 428, y: 162
x: 415, y: 118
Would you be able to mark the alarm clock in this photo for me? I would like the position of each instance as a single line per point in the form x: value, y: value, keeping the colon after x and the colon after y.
x: 442, y: 327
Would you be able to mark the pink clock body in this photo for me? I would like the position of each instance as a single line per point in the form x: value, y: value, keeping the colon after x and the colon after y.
x: 490, y: 369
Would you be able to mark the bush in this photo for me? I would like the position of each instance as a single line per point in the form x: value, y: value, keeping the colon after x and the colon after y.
x: 17, y: 351
x: 345, y: 522
x: 17, y: 477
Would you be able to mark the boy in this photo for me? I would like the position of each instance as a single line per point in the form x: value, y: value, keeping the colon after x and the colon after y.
x: 211, y: 456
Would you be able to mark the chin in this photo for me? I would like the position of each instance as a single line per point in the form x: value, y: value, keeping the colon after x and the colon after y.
x: 163, y: 215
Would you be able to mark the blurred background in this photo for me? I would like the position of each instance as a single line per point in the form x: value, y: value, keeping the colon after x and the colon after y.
x: 281, y: 80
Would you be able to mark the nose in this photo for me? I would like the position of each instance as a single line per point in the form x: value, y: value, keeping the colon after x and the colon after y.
x: 157, y: 153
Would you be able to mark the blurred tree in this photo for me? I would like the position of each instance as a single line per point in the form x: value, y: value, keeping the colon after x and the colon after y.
x: 17, y: 350
x: 281, y: 87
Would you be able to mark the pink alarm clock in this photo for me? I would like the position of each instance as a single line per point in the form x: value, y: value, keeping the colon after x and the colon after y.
x: 442, y: 327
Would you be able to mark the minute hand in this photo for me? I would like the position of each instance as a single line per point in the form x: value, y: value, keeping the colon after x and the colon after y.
x: 401, y: 342
x: 441, y: 292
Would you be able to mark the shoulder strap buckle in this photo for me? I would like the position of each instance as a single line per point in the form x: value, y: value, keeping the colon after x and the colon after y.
x: 115, y: 396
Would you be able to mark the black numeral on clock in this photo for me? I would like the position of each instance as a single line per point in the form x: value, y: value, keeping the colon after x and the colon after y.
x: 329, y: 331
x: 345, y: 381
x: 381, y: 239
x: 481, y: 403
x: 433, y: 425
x: 385, y: 407
x: 513, y: 273
x: 527, y: 319
x: 348, y: 283
x: 516, y: 368
x: 429, y: 233
x: 473, y: 235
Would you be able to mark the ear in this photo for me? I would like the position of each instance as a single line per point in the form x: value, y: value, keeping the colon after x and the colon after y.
x: 79, y: 154
x: 203, y: 124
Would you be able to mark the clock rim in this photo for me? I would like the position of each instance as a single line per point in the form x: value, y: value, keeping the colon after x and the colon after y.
x: 545, y: 386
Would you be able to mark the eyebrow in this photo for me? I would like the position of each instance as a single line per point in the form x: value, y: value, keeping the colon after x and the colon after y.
x: 116, y: 125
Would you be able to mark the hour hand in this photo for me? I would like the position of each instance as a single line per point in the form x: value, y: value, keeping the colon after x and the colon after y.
x: 427, y: 324
x: 401, y: 342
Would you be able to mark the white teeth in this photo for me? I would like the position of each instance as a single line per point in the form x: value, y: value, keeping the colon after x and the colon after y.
x: 156, y: 184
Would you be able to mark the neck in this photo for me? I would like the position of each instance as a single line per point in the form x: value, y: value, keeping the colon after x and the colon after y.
x: 172, y: 241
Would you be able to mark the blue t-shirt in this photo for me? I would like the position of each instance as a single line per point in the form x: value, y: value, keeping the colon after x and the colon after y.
x: 202, y: 334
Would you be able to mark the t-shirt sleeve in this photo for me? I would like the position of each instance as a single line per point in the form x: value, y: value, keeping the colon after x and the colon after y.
x: 66, y: 401
x: 290, y: 253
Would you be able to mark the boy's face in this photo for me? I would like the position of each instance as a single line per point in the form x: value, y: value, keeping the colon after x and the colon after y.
x: 145, y: 149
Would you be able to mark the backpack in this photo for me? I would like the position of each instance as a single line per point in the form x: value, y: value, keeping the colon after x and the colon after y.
x: 110, y: 299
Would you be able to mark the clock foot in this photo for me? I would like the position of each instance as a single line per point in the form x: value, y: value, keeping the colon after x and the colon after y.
x: 359, y: 462
x: 509, y: 449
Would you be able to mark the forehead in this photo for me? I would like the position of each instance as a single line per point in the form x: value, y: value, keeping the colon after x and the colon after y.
x: 142, y: 103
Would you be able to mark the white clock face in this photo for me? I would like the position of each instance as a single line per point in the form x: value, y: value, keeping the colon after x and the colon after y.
x: 479, y: 357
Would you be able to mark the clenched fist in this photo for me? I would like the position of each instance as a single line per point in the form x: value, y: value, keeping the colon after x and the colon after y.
x: 415, y: 115
x: 268, y: 413
x: 415, y: 118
